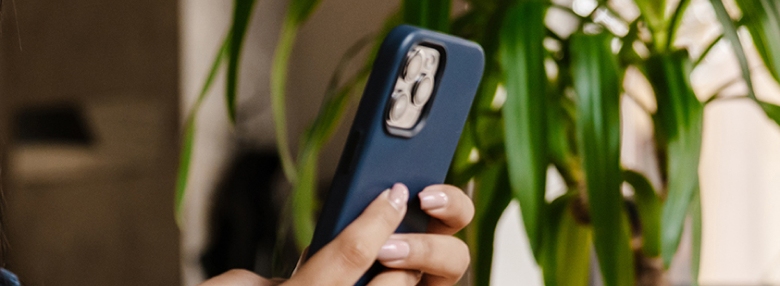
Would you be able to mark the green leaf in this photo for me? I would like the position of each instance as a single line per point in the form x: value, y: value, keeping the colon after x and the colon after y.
x: 300, y: 10
x: 596, y: 78
x: 297, y: 13
x: 766, y: 44
x: 649, y: 208
x: 696, y: 218
x: 242, y: 13
x: 678, y: 123
x: 771, y: 110
x: 491, y: 197
x: 676, y: 21
x: 566, y: 251
x: 762, y: 18
x: 429, y: 14
x: 730, y: 34
x: 522, y: 58
x: 653, y: 11
x: 189, y: 129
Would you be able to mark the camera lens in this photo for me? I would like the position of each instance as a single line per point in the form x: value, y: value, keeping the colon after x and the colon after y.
x: 423, y: 90
x: 413, y: 66
x: 430, y: 61
x: 400, y: 103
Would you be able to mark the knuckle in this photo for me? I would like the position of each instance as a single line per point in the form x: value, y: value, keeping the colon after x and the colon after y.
x: 413, y: 277
x: 388, y: 218
x: 355, y: 254
x: 463, y: 249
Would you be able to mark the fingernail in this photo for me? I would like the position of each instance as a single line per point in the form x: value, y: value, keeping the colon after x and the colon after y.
x: 430, y: 200
x: 393, y: 250
x: 398, y: 197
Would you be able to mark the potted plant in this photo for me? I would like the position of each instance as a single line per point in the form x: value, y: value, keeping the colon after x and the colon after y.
x: 557, y: 99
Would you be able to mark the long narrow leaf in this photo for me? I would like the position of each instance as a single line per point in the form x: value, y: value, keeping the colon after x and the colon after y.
x: 566, y: 252
x: 189, y: 128
x: 762, y: 18
x: 597, y: 84
x: 696, y: 218
x: 730, y: 34
x: 491, y: 197
x: 278, y: 84
x: 649, y: 207
x: 522, y: 57
x: 678, y: 124
x: 242, y: 13
x: 765, y: 43
x: 430, y: 14
x: 771, y: 110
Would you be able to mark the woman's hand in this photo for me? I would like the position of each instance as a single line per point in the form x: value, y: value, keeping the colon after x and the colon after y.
x: 433, y: 258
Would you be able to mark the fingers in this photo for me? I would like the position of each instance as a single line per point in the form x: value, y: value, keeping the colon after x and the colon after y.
x: 450, y: 207
x: 240, y: 277
x: 396, y: 277
x: 352, y: 252
x: 443, y: 257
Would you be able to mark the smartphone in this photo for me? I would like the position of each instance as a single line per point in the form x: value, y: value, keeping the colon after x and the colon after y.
x: 406, y: 129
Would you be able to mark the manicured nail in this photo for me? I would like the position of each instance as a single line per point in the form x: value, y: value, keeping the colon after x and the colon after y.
x: 432, y: 199
x: 393, y: 250
x: 398, y: 196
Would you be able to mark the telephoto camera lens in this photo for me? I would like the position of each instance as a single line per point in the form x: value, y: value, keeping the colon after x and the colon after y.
x: 399, y: 107
x: 413, y: 66
x: 422, y: 90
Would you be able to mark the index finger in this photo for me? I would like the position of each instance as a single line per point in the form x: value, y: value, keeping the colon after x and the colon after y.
x: 354, y: 250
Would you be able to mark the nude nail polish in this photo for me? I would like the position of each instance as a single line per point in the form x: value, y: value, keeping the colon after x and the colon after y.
x: 430, y: 200
x: 398, y: 196
x: 393, y: 250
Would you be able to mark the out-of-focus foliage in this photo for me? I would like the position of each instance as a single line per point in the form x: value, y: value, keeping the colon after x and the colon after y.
x: 561, y: 111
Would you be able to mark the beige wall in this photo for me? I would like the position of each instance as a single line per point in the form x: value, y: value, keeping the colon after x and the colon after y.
x: 99, y: 214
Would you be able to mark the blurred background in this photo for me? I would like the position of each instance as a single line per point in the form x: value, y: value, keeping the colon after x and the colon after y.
x: 93, y: 95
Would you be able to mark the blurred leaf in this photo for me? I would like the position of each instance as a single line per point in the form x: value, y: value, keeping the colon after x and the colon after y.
x: 300, y: 10
x: 707, y: 50
x: 337, y: 99
x: 522, y: 57
x: 242, y: 13
x: 676, y: 21
x: 653, y: 11
x: 597, y: 83
x: 565, y: 258
x: 762, y: 18
x: 730, y: 33
x: 649, y: 207
x: 189, y: 128
x: 678, y: 123
x: 772, y: 110
x: 297, y: 13
x: 491, y: 197
x: 767, y: 44
x: 561, y: 140
x: 696, y: 219
x: 429, y: 14
x: 459, y: 173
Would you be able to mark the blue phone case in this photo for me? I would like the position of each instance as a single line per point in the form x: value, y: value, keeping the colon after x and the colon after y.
x: 374, y: 159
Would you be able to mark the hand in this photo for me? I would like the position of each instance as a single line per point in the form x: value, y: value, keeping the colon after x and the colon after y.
x: 433, y: 258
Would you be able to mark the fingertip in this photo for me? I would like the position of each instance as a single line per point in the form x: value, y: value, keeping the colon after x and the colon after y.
x: 398, y: 196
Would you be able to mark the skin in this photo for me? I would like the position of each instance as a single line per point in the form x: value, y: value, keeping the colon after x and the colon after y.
x: 434, y: 258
